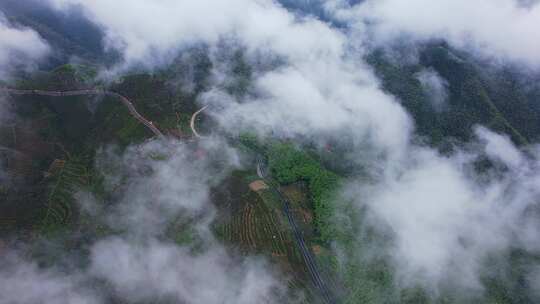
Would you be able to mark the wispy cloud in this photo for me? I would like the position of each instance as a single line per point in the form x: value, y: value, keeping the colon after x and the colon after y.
x: 156, y: 184
x: 446, y: 219
x: 435, y: 87
x: 501, y: 29
x: 20, y: 48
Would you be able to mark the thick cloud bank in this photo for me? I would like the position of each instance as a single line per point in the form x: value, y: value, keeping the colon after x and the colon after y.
x: 150, y: 33
x: 23, y: 282
x: 155, y: 193
x: 155, y: 185
x: 20, y: 48
x: 140, y: 272
x: 497, y: 28
x: 143, y: 272
x: 447, y: 219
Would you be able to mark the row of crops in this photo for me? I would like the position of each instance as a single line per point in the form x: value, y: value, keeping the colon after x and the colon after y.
x: 67, y: 178
x: 258, y: 228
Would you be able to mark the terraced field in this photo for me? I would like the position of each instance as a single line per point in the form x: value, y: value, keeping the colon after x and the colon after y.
x: 68, y: 177
x: 256, y: 225
x: 258, y: 228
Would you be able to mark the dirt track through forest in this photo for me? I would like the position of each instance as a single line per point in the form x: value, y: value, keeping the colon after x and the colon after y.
x: 192, y: 122
x: 123, y: 99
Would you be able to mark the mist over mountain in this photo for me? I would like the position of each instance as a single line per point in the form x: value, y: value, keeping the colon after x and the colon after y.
x: 310, y: 151
x: 71, y: 36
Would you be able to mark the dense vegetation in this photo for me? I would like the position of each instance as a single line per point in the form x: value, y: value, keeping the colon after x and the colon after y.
x: 473, y: 97
x: 288, y: 165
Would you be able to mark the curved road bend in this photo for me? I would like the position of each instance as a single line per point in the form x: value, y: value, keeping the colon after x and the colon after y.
x: 124, y: 100
x: 192, y: 121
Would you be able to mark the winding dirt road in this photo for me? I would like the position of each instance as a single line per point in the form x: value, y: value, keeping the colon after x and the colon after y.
x: 123, y: 99
x: 192, y: 122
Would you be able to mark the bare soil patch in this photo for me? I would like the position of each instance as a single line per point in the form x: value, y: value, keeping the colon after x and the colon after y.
x: 258, y: 185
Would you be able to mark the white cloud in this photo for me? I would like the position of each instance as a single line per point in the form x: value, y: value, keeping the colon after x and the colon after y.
x: 446, y: 220
x: 23, y: 282
x: 314, y: 98
x: 145, y: 272
x: 500, y: 147
x: 498, y: 28
x: 159, y: 183
x: 435, y: 87
x: 151, y: 33
x: 155, y: 184
x: 154, y: 191
x: 20, y: 48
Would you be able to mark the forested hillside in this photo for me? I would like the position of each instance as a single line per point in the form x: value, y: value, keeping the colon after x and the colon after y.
x: 291, y: 153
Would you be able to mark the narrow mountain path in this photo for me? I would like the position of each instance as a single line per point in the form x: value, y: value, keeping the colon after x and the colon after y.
x: 193, y: 119
x: 123, y: 99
